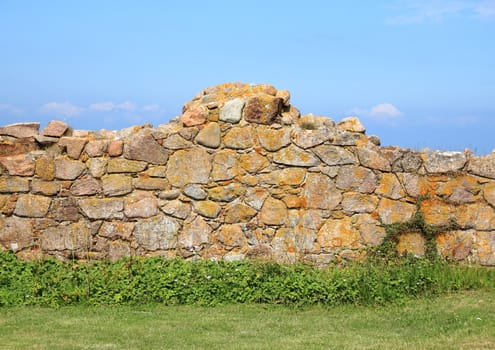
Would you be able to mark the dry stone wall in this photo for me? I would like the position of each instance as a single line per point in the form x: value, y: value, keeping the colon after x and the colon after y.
x: 239, y: 174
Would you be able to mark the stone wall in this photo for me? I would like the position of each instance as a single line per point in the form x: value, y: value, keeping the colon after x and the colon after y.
x: 239, y: 174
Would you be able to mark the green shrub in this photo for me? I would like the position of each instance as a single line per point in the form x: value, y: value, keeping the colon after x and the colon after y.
x: 173, y: 281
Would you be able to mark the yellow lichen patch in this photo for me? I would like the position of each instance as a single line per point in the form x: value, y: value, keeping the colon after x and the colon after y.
x: 411, y: 243
x: 436, y: 212
x: 338, y: 234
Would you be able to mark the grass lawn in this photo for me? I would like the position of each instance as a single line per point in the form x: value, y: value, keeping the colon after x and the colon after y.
x: 458, y: 321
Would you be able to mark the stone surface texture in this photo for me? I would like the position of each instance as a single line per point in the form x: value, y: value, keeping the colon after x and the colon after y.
x: 239, y: 174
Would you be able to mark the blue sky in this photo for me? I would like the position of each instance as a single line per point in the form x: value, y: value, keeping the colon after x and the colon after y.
x: 417, y: 73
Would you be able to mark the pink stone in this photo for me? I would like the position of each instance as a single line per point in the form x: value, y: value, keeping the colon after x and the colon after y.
x: 55, y: 128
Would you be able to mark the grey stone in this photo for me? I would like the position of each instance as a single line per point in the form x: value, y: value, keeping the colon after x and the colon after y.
x: 195, y: 191
x: 335, y: 155
x: 157, y: 233
x: 231, y: 112
x: 441, y: 162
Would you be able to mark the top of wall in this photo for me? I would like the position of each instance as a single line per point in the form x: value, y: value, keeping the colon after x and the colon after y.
x: 215, y: 110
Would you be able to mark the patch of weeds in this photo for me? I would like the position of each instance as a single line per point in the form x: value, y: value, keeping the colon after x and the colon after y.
x: 416, y: 224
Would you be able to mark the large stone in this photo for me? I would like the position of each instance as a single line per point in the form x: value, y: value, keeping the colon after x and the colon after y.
x: 147, y: 149
x: 121, y: 165
x: 226, y: 193
x: 391, y: 211
x: 295, y: 156
x: 16, y: 233
x: 273, y: 139
x: 180, y: 172
x: 460, y: 190
x: 156, y: 171
x: 489, y: 193
x: 18, y: 165
x: 176, y: 208
x: 320, y: 192
x: 97, y: 167
x: 116, y: 229
x: 232, y: 236
x: 13, y: 184
x: 176, y: 141
x: 157, y: 233
x: 47, y: 188
x: 140, y: 204
x: 64, y: 209
x: 291, y: 176
x: 442, y: 162
x: 485, y: 247
x: 96, y: 148
x: 225, y: 166
x: 356, y: 178
x: 195, y: 115
x: 68, y: 169
x: 209, y: 136
x: 17, y: 146
x: 309, y: 138
x: 102, y: 208
x: 253, y: 162
x: 255, y: 197
x: 238, y: 212
x: 55, y: 128
x: 455, y: 244
x: 31, y: 205
x: 208, y: 209
x: 116, y: 184
x: 479, y: 216
x: 75, y: 237
x: 231, y: 112
x: 149, y: 183
x: 262, y: 109
x: 115, y: 148
x: 85, y: 186
x: 371, y: 230
x: 483, y: 166
x: 194, y: 234
x: 416, y: 185
x: 73, y: 145
x: 351, y: 124
x: 337, y: 234
x: 45, y: 168
x: 390, y: 187
x: 239, y: 138
x: 335, y: 155
x: 355, y: 202
x: 437, y: 212
x: 273, y: 212
x: 20, y: 130
x: 372, y: 158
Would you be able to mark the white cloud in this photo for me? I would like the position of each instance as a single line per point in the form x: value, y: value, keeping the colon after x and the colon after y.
x: 387, y: 110
x: 102, y: 106
x: 486, y: 9
x: 127, y: 106
x: 10, y: 109
x: 151, y: 108
x: 65, y: 109
x: 384, y: 112
x: 109, y: 106
x: 417, y: 11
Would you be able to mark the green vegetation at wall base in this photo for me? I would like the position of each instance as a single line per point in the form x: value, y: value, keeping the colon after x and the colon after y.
x: 136, y: 281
